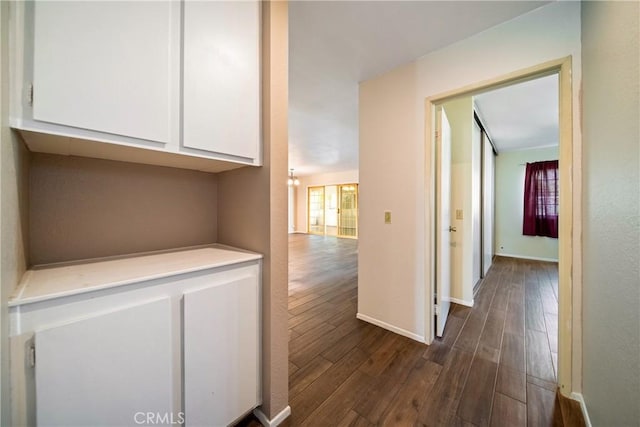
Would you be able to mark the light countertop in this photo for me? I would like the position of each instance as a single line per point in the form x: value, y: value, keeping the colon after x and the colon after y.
x: 58, y: 280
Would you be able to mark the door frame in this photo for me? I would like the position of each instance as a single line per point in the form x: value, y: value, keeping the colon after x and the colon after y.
x: 570, y: 200
x: 442, y: 238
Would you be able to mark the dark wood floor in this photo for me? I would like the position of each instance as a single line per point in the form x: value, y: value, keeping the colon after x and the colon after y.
x: 495, y: 364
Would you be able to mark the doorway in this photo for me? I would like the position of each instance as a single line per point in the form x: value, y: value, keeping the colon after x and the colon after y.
x: 567, y: 254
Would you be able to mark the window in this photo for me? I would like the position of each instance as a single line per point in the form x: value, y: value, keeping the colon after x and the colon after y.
x: 541, y: 199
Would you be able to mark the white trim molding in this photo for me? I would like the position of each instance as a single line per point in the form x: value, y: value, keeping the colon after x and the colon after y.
x: 583, y: 407
x: 390, y: 327
x: 275, y: 421
x: 462, y: 302
x: 534, y: 258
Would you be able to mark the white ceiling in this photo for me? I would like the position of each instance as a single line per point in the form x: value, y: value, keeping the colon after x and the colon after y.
x: 521, y: 116
x: 333, y: 45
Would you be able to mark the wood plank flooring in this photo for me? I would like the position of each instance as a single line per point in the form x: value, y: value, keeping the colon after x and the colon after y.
x: 495, y: 364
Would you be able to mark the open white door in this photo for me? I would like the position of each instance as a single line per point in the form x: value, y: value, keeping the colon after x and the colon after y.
x: 443, y: 219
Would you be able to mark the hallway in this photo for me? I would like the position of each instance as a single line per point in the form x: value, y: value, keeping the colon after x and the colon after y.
x: 495, y: 365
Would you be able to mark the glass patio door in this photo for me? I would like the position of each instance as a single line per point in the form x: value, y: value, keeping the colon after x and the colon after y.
x: 348, y: 210
x: 315, y: 209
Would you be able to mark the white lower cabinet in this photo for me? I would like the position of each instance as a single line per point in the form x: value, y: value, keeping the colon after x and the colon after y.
x: 102, y: 370
x: 174, y: 339
x: 220, y: 367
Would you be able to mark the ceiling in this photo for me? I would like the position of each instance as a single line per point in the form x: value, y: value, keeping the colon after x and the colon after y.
x: 334, y: 45
x: 521, y: 116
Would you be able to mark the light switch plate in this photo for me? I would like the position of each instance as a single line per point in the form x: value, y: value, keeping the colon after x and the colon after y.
x: 387, y: 217
x: 459, y: 214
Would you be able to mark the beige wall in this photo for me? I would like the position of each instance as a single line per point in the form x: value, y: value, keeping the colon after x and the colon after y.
x: 14, y: 232
x: 300, y: 194
x: 510, y: 171
x: 392, y: 258
x: 611, y: 375
x: 391, y: 288
x: 85, y: 208
x: 252, y: 209
x: 14, y: 170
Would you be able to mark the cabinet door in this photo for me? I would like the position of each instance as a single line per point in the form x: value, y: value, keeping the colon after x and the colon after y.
x: 221, y: 352
x: 222, y: 77
x: 103, y: 370
x: 105, y: 66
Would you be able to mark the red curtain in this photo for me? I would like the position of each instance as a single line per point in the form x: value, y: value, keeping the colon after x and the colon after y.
x: 541, y: 199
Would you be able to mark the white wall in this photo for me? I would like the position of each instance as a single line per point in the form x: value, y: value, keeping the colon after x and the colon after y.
x: 391, y: 259
x: 611, y: 96
x: 510, y: 171
x: 460, y: 115
x: 347, y: 177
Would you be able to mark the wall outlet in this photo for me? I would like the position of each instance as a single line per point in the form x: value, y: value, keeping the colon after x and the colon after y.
x: 387, y: 217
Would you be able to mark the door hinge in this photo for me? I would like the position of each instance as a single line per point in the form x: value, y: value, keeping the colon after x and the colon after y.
x: 32, y: 356
x: 436, y: 309
x: 30, y: 95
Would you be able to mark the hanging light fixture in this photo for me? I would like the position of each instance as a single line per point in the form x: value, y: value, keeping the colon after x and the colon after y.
x: 293, y: 180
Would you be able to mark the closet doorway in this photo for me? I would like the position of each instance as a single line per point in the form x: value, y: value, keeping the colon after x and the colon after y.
x: 333, y: 210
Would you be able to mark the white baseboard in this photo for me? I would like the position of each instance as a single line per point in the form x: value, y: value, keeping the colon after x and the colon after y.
x: 462, y: 302
x: 391, y: 328
x: 583, y: 406
x: 275, y: 421
x: 528, y: 257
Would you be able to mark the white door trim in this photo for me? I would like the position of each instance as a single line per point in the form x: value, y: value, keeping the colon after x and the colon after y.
x: 570, y: 227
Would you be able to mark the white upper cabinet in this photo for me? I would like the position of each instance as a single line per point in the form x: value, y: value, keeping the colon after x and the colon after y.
x: 160, y: 82
x: 222, y: 77
x: 104, y: 66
